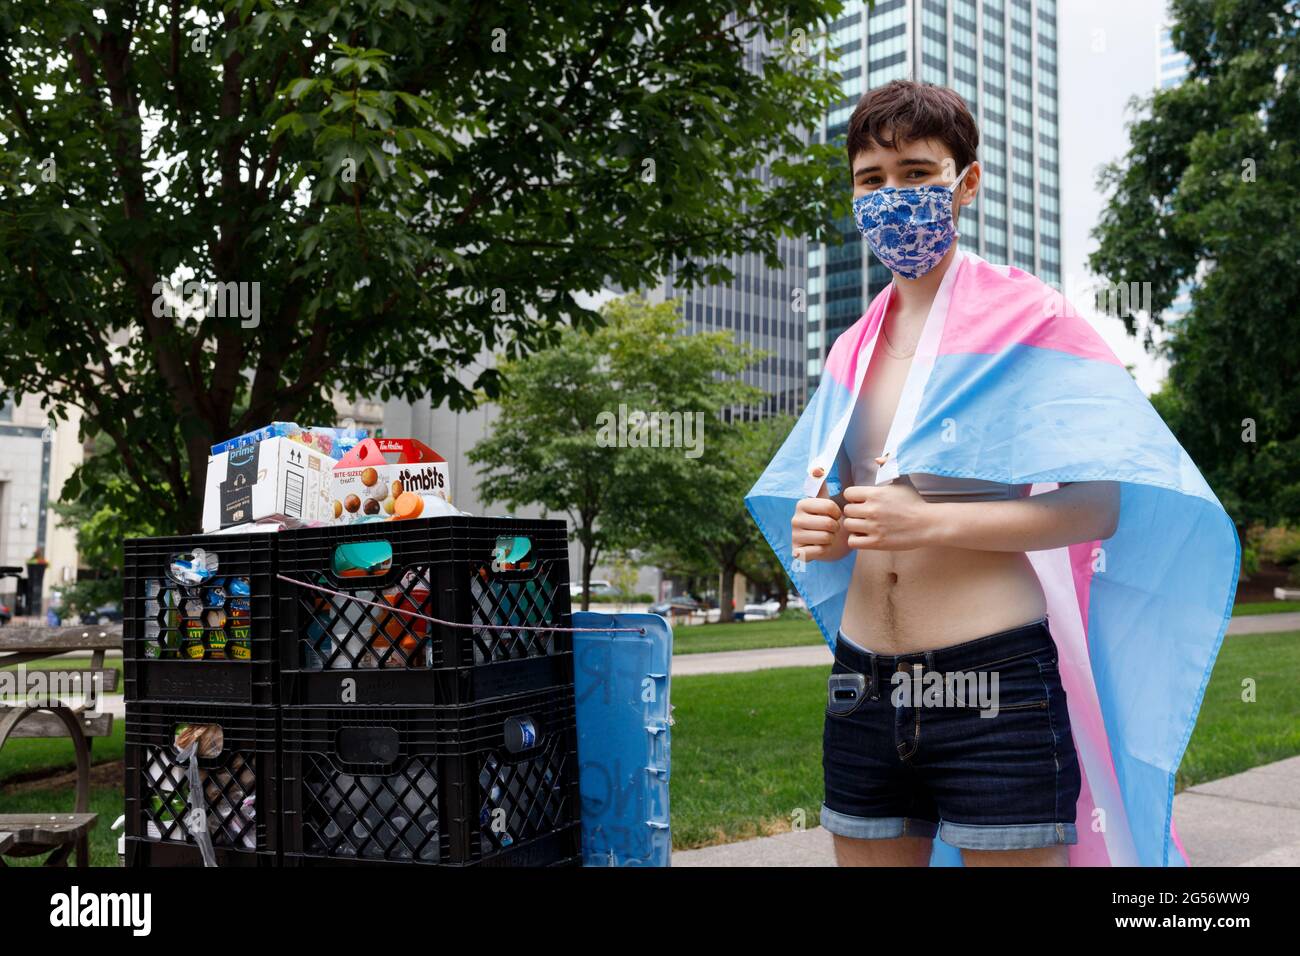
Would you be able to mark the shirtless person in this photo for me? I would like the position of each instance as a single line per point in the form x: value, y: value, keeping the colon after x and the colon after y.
x: 940, y: 567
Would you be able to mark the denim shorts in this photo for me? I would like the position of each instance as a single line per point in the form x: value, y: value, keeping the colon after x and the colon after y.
x: 908, y: 751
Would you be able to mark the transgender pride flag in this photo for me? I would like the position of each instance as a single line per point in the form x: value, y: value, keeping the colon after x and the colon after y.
x: 1009, y: 384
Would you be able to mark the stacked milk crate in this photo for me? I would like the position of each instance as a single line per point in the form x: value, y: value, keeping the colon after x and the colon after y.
x: 201, y: 687
x: 401, y: 740
x: 415, y: 742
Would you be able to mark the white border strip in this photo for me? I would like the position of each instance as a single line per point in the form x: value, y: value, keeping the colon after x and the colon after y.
x: 828, y: 452
x: 1066, y: 622
x: 927, y: 350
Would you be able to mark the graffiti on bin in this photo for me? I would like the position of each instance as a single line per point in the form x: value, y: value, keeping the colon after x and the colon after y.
x: 595, y: 661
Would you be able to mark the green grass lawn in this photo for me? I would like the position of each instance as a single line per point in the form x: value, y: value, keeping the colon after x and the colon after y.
x: 1246, y: 608
x: 747, y: 747
x: 26, y: 755
x: 1232, y: 735
x: 741, y: 636
x: 746, y: 753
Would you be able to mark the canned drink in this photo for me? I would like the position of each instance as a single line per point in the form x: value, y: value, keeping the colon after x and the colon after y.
x: 521, y: 733
x: 216, y: 644
x: 215, y: 594
x: 238, y: 623
x: 240, y: 642
x: 192, y: 640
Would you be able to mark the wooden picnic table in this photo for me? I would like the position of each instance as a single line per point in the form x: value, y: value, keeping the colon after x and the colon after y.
x: 30, y: 834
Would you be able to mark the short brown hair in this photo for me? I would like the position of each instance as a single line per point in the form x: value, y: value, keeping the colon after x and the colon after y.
x: 904, y: 111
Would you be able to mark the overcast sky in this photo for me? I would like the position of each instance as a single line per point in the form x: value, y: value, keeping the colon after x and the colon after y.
x: 1107, y: 54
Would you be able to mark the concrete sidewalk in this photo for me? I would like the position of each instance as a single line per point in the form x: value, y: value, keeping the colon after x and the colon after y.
x: 811, y: 655
x: 1248, y: 819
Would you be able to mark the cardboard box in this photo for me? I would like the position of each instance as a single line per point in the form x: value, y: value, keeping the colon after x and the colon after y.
x: 372, y: 475
x: 276, y: 478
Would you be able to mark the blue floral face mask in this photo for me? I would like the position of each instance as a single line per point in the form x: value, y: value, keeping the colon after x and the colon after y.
x: 909, y: 229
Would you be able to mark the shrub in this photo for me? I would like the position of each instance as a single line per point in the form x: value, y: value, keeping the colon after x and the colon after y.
x: 1280, y: 544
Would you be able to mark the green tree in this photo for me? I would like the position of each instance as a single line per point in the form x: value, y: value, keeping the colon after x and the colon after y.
x: 569, y: 438
x: 1209, y: 194
x: 370, y: 191
x: 711, y: 518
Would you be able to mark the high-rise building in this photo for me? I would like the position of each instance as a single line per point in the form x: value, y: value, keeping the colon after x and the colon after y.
x: 36, y: 458
x: 761, y: 306
x: 764, y: 307
x: 1171, y: 62
x: 1001, y: 57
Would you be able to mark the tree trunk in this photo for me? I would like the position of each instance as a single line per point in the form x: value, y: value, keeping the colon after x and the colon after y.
x: 727, y: 578
x: 588, y: 565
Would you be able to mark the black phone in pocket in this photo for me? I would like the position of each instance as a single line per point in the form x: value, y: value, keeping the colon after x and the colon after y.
x: 844, y: 692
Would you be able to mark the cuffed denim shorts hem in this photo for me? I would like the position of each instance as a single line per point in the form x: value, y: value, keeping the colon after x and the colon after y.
x: 875, y: 828
x: 1028, y: 836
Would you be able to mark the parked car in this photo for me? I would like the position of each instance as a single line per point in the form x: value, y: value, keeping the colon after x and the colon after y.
x: 597, y: 587
x: 761, y: 612
x: 108, y: 614
x: 6, y: 613
x: 676, y: 606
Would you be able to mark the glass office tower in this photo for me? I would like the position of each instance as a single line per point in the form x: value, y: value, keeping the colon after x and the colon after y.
x: 1001, y: 57
x: 763, y: 307
x: 1171, y: 63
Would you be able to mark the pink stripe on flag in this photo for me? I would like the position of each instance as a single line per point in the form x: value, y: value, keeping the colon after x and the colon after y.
x: 1081, y: 559
x: 1026, y: 313
x: 1173, y: 832
x: 846, y: 352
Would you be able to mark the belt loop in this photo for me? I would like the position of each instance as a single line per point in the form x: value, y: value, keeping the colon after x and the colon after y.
x: 929, y: 661
x: 875, y: 677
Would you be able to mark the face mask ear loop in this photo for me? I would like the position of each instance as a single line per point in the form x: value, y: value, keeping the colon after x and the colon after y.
x: 958, y: 181
x: 953, y: 189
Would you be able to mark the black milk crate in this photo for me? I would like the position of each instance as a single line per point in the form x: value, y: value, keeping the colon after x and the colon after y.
x: 150, y: 853
x: 335, y: 650
x: 205, y: 642
x: 238, y: 771
x: 492, y: 783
